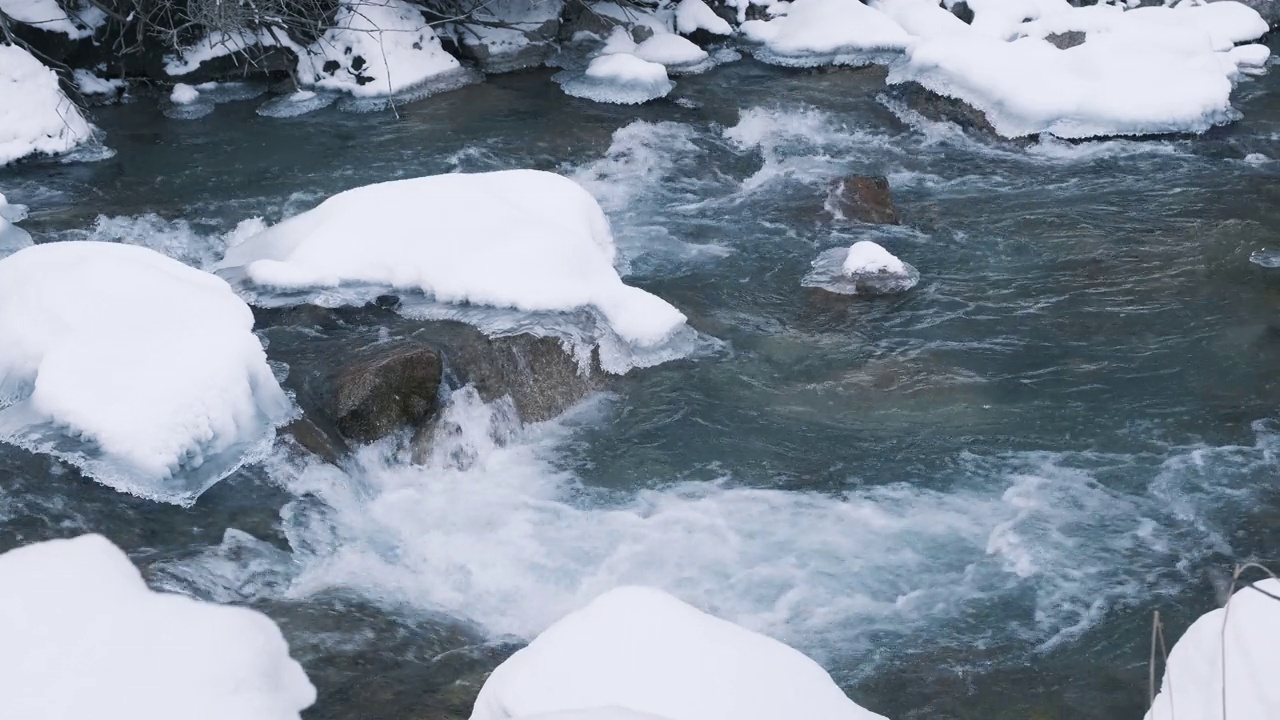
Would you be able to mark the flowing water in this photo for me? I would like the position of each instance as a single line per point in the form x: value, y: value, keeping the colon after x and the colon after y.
x: 965, y: 501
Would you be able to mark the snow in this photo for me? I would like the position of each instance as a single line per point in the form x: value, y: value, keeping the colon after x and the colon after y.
x: 826, y: 32
x: 620, y: 78
x: 49, y: 15
x: 523, y: 239
x: 12, y: 237
x: 695, y: 15
x: 143, y: 372
x: 35, y: 117
x: 1236, y: 645
x: 183, y: 94
x: 640, y: 650
x: 89, y: 84
x: 676, y: 53
x: 865, y: 268
x: 81, y: 636
x: 378, y: 48
x: 218, y: 44
x: 868, y: 257
x: 1143, y: 71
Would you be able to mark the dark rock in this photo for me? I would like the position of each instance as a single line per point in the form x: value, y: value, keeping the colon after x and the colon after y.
x: 640, y: 33
x: 1066, y: 40
x: 863, y: 198
x: 1268, y: 9
x: 540, y: 47
x: 940, y: 108
x: 387, y: 387
x: 963, y: 11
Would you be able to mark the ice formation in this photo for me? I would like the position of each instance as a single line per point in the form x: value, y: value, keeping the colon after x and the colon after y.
x: 1226, y: 664
x: 81, y: 636
x: 640, y: 650
x: 140, y: 370
x: 36, y: 117
x: 523, y: 239
x: 12, y: 237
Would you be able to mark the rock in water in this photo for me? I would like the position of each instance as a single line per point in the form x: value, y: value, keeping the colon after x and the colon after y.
x: 864, y: 198
x: 388, y: 388
x: 1266, y: 258
x: 866, y: 268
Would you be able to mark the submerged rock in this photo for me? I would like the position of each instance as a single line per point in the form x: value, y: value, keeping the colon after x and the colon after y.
x: 864, y: 198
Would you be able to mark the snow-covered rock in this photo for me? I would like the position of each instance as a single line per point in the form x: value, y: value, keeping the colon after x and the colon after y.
x: 620, y: 78
x: 218, y: 43
x: 506, y: 35
x: 81, y: 636
x: 695, y: 15
x: 51, y: 16
x: 380, y: 48
x: 865, y: 268
x: 99, y: 89
x: 827, y: 32
x: 183, y: 94
x: 35, y: 115
x: 140, y: 370
x: 1236, y: 645
x: 638, y: 650
x: 677, y: 54
x: 533, y: 241
x: 1142, y: 71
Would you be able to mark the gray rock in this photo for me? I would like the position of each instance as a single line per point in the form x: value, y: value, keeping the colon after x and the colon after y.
x: 1066, y: 40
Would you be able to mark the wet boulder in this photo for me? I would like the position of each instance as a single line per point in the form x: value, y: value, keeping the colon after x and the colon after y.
x: 386, y: 388
x: 864, y: 198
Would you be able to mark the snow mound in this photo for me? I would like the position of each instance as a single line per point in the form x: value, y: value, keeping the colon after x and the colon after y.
x: 1236, y: 644
x: 695, y: 15
x: 1143, y: 71
x: 677, y: 54
x: 81, y: 636
x: 219, y: 43
x: 35, y: 115
x: 620, y: 78
x: 827, y: 32
x: 526, y: 240
x: 183, y: 94
x: 91, y: 85
x: 639, y: 650
x: 379, y: 48
x: 866, y: 268
x: 143, y: 372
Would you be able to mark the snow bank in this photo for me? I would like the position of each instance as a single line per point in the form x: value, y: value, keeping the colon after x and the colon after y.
x: 50, y: 16
x: 865, y: 268
x: 827, y: 32
x: 81, y: 636
x: 35, y: 115
x: 220, y: 44
x: 140, y: 370
x: 1238, y: 643
x: 101, y: 88
x: 1143, y: 71
x: 695, y: 15
x: 379, y: 48
x: 639, y: 650
x: 522, y: 239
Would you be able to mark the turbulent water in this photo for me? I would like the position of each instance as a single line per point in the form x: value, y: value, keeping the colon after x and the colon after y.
x: 965, y: 501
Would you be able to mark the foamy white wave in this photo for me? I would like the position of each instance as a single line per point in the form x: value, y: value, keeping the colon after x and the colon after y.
x: 492, y: 529
x: 192, y: 243
x: 804, y: 144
